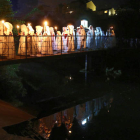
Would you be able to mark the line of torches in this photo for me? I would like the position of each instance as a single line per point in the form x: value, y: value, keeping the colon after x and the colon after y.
x: 28, y: 25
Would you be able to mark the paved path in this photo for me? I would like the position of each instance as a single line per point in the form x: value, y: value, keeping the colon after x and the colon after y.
x: 10, y: 115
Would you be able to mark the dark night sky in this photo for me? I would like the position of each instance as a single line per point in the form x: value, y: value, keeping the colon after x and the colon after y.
x: 99, y: 3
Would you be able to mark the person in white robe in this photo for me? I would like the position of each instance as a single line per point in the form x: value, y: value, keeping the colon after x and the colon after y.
x: 39, y: 39
x: 73, y: 33
x: 2, y: 44
x: 22, y: 40
x: 90, y: 38
x: 82, y: 37
x: 47, y: 43
x: 71, y: 36
x: 65, y: 39
x: 78, y: 38
x: 10, y: 46
x: 52, y: 33
x: 32, y: 43
x: 59, y: 42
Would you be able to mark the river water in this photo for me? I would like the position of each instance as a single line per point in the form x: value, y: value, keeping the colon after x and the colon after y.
x: 104, y: 101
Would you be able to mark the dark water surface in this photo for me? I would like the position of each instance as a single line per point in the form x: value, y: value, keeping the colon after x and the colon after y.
x: 104, y: 100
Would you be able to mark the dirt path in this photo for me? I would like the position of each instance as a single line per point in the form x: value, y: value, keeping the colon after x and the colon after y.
x: 9, y: 115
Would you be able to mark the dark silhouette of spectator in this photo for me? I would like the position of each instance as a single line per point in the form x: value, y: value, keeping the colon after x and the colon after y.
x: 54, y: 133
x: 59, y: 133
x: 76, y: 131
x: 63, y: 132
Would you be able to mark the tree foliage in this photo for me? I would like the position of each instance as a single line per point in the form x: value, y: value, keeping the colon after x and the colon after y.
x: 6, y: 11
x: 11, y: 84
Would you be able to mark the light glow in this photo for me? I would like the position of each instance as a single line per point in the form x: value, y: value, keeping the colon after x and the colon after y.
x: 84, y: 122
x: 70, y: 131
x: 46, y: 23
x: 71, y: 12
x: 17, y: 26
x: 3, y: 21
x: 55, y: 28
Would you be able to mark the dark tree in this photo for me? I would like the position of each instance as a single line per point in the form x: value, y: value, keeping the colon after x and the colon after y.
x: 6, y: 11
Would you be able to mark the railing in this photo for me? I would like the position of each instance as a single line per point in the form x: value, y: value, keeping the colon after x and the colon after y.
x: 23, y: 47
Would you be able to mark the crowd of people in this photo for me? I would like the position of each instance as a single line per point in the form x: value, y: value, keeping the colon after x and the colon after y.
x: 45, y: 40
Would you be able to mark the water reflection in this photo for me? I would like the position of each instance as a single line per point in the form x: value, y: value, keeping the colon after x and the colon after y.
x: 82, y: 112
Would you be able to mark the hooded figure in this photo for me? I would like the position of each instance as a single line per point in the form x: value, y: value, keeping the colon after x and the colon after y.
x: 46, y: 44
x: 82, y: 37
x: 32, y: 43
x: 2, y: 46
x: 10, y: 46
x: 65, y: 39
x: 22, y: 41
x: 59, y: 42
x: 71, y: 36
x: 39, y: 39
x: 90, y: 34
x: 52, y: 37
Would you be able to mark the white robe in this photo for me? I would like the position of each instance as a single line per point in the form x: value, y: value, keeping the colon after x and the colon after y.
x: 82, y: 37
x: 9, y: 50
x: 46, y: 47
x: 65, y: 40
x: 1, y: 38
x: 78, y: 40
x: 22, y: 41
x: 35, y: 48
x: 39, y: 41
x: 53, y: 40
x: 59, y: 43
x: 22, y: 44
x: 71, y: 37
x: 90, y: 39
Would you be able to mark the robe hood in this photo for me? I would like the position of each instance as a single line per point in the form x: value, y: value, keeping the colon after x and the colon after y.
x: 24, y: 29
x: 8, y: 28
